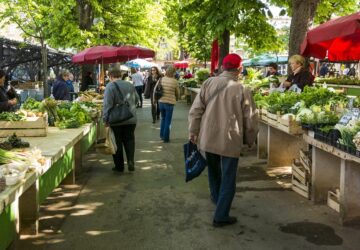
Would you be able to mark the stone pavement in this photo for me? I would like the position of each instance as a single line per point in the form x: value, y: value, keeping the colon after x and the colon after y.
x: 153, y: 208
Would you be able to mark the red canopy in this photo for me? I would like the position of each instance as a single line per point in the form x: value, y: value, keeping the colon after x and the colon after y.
x: 181, y: 64
x: 214, y: 55
x: 338, y: 39
x: 111, y: 54
x: 95, y: 54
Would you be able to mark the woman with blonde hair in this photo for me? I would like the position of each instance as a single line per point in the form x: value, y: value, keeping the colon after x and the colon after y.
x: 300, y: 75
x: 167, y: 101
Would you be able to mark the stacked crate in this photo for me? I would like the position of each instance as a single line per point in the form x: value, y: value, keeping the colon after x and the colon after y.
x: 301, y: 174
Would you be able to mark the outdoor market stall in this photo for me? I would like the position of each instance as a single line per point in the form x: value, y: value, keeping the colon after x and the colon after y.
x: 19, y: 204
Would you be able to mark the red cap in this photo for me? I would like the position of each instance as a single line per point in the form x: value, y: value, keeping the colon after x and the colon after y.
x: 231, y: 61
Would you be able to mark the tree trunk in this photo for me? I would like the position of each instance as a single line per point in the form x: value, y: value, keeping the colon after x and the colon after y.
x: 303, y: 12
x: 85, y: 14
x: 224, y: 46
x: 44, y: 67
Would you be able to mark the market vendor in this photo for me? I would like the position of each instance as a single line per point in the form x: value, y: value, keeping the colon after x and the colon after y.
x: 60, y: 89
x: 7, y: 101
x: 300, y: 75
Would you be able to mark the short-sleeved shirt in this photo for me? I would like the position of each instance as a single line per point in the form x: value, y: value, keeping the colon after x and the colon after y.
x: 137, y: 79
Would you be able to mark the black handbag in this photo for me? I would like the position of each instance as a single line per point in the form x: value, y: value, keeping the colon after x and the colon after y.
x: 158, y: 91
x: 194, y: 162
x: 121, y: 111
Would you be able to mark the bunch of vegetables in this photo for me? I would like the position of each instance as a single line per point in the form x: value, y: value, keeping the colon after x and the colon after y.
x: 50, y: 106
x: 14, y: 142
x: 31, y: 104
x: 8, y: 157
x: 71, y: 115
x: 344, y: 80
x: 190, y: 83
x: 11, y: 116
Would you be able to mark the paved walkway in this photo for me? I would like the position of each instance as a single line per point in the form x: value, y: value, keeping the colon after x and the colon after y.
x: 154, y: 208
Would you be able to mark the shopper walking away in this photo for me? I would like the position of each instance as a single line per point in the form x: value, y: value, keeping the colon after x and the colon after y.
x: 60, y: 88
x: 125, y: 131
x: 138, y: 81
x: 154, y: 77
x: 170, y: 95
x: 222, y: 118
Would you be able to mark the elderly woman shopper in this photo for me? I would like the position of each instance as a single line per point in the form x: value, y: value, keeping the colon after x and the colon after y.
x: 152, y: 80
x: 167, y: 101
x: 300, y: 75
x: 60, y: 87
x: 125, y: 131
x: 7, y: 101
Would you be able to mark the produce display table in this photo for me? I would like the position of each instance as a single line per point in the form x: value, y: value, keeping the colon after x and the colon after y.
x: 331, y: 169
x: 192, y: 92
x: 277, y: 145
x: 19, y: 204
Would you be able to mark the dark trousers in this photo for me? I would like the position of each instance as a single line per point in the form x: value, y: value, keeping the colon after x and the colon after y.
x: 222, y: 181
x: 124, y: 136
x: 139, y: 90
x: 155, y: 110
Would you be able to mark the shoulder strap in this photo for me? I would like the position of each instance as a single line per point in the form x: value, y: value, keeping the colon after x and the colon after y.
x: 216, y: 93
x: 119, y: 91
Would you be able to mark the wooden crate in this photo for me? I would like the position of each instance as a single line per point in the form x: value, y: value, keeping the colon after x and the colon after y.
x: 290, y: 126
x: 298, y: 187
x: 32, y: 126
x: 271, y: 116
x: 305, y: 160
x: 333, y: 201
x: 300, y: 173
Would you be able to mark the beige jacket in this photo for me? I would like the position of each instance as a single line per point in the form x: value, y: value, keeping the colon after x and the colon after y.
x: 171, y: 90
x: 222, y: 122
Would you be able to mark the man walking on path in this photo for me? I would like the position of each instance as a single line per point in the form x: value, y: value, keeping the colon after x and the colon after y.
x: 138, y: 81
x: 222, y: 118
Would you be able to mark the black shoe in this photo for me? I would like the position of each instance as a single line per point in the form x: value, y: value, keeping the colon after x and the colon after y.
x: 231, y: 220
x: 120, y: 170
x: 131, y: 167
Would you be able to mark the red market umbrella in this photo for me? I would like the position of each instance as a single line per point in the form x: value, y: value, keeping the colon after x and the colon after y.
x: 181, y: 64
x: 96, y: 54
x: 133, y: 52
x: 111, y: 54
x: 338, y: 39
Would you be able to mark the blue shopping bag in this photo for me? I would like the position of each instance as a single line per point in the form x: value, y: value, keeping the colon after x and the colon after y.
x: 194, y: 161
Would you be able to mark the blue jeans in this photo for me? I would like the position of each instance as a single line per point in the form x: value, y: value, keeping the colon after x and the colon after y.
x: 166, y: 111
x: 222, y: 181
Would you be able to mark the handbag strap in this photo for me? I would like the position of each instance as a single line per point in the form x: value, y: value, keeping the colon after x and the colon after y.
x: 120, y: 93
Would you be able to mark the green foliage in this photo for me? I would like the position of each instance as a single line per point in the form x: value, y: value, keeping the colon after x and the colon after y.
x: 60, y: 23
x: 31, y: 104
x: 11, y: 116
x: 316, y: 96
x: 202, y: 75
